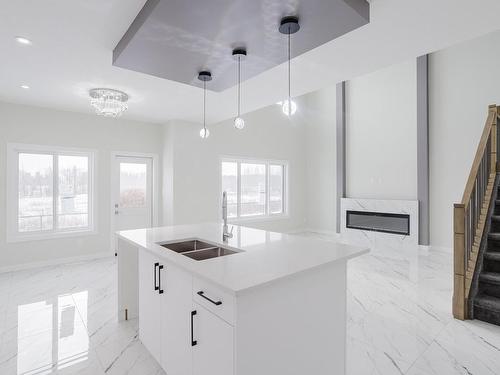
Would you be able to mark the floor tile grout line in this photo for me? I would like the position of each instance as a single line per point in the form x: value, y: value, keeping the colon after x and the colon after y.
x: 428, y: 347
x: 415, y: 294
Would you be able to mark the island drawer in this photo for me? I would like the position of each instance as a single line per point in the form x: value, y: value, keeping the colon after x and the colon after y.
x: 214, y: 299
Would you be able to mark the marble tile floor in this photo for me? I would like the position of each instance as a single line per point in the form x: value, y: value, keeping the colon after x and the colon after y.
x: 62, y: 320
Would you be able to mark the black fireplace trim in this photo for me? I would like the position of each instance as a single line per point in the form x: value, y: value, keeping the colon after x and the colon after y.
x: 382, y: 214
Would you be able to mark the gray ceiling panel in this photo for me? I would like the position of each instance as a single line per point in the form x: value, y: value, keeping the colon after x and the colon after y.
x: 175, y: 39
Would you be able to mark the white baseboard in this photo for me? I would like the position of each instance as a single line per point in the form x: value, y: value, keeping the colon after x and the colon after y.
x: 423, y: 248
x: 54, y: 262
x: 323, y: 231
x: 430, y: 248
x: 295, y: 231
x: 442, y: 249
x: 313, y: 230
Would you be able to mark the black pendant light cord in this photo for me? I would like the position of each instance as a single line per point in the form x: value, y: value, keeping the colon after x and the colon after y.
x: 239, y: 85
x: 204, y: 105
x: 289, y: 74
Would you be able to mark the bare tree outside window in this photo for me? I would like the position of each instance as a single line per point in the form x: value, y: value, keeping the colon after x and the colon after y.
x: 254, y: 188
x: 53, y: 192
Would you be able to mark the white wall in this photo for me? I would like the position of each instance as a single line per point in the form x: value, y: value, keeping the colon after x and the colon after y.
x: 320, y: 177
x: 381, y: 148
x: 195, y: 169
x: 381, y: 139
x: 24, y: 124
x: 464, y: 80
x: 381, y: 134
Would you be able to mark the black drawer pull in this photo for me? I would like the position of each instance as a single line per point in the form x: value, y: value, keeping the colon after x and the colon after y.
x: 156, y: 286
x: 201, y: 293
x: 160, y: 291
x: 193, y: 341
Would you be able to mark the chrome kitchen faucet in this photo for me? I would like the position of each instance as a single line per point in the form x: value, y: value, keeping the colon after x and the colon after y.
x: 225, y: 233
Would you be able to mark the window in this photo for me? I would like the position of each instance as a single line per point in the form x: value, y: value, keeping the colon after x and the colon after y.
x: 254, y: 188
x: 50, y: 191
x: 133, y: 185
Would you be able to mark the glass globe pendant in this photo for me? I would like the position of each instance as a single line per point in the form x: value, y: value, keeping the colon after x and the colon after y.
x: 238, y: 55
x: 239, y: 123
x: 204, y: 77
x: 289, y: 107
x: 204, y: 133
x: 289, y: 25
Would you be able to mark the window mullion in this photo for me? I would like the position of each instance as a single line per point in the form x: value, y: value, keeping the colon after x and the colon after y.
x: 90, y: 192
x: 55, y: 193
x: 17, y: 191
x: 49, y: 160
x: 284, y: 192
x: 268, y: 183
x: 238, y: 192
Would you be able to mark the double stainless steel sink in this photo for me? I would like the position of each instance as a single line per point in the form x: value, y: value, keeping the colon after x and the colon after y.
x: 198, y: 250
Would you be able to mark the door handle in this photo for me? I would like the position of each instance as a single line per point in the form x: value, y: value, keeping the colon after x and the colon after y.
x: 193, y: 341
x: 156, y: 286
x: 201, y: 293
x: 160, y: 290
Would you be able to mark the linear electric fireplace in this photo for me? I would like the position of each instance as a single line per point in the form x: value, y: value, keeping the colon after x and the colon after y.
x: 378, y: 222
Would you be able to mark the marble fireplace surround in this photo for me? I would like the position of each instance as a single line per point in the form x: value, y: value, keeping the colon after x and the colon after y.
x: 378, y: 240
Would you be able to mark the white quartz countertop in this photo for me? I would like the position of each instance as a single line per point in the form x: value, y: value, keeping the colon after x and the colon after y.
x: 265, y: 256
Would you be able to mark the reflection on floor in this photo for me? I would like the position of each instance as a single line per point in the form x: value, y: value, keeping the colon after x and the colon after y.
x: 62, y: 320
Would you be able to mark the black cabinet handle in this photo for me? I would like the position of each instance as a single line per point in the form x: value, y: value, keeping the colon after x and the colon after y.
x: 201, y: 293
x: 160, y: 291
x: 193, y: 341
x: 156, y: 286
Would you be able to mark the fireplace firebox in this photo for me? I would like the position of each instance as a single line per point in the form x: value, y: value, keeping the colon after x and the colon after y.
x: 379, y: 222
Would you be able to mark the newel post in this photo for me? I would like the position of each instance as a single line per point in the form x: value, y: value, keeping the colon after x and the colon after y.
x: 459, y: 302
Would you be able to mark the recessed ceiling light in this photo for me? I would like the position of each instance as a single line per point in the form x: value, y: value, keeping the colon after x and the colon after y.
x: 25, y: 41
x: 26, y: 87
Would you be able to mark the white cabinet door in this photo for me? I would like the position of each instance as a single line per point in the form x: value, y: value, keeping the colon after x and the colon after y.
x: 176, y: 306
x: 213, y: 352
x: 149, y: 304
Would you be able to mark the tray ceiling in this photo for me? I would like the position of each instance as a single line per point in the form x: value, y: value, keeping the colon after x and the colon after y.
x: 175, y: 39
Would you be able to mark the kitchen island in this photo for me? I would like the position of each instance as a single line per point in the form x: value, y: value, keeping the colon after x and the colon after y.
x: 261, y: 303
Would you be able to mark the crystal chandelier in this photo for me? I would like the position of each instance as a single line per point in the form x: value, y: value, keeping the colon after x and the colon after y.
x: 108, y: 102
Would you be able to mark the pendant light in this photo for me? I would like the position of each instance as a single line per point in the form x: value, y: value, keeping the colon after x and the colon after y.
x: 239, y: 55
x: 288, y: 26
x: 204, y: 77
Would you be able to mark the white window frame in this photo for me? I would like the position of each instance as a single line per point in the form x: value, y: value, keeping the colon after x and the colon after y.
x: 267, y: 216
x: 12, y: 211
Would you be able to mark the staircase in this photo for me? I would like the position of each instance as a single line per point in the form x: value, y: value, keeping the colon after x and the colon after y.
x: 486, y: 300
x: 476, y: 232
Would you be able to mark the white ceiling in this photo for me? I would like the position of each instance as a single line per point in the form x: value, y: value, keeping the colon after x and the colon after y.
x: 73, y: 43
